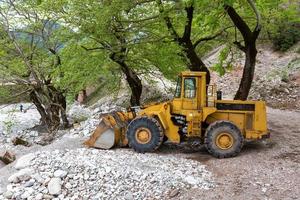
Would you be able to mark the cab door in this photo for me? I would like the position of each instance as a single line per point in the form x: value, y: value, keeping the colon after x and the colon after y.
x: 189, y: 98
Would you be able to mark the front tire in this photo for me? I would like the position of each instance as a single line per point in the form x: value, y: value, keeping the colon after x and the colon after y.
x: 145, y: 134
x: 223, y: 139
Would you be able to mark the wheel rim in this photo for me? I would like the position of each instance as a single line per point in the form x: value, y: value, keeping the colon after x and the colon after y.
x: 224, y: 141
x: 143, y: 135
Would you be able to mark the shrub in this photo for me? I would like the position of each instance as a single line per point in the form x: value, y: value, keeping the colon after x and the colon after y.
x: 287, y: 36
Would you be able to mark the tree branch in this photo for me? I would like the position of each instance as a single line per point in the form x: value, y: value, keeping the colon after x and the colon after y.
x: 92, y: 49
x: 240, y: 46
x: 208, y: 38
x: 257, y: 13
x: 168, y: 21
x: 188, y: 26
x: 239, y: 22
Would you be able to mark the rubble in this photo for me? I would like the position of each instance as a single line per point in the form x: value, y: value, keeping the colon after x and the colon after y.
x: 114, y: 174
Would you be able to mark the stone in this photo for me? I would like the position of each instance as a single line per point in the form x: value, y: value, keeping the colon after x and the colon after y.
x: 7, y: 157
x: 60, y: 173
x: 19, y: 141
x: 128, y: 196
x: 264, y: 189
x: 54, y: 186
x: 25, y: 195
x: 191, y: 180
x: 68, y: 185
x: 38, y: 178
x: 24, y: 161
x: 8, y: 194
x: 173, y: 193
x: 39, y: 196
x: 47, y: 196
x: 22, y: 175
x: 29, y: 183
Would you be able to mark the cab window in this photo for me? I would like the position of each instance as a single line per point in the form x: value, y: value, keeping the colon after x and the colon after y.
x: 178, y: 88
x: 189, y: 88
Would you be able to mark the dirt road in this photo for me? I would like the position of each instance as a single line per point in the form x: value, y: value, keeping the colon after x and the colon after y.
x: 267, y: 169
x: 264, y: 170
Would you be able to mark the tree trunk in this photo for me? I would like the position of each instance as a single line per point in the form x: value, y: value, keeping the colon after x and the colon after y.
x: 35, y: 100
x: 135, y: 84
x: 249, y: 48
x: 132, y: 79
x: 196, y: 64
x: 63, y: 114
x: 51, y: 104
x: 248, y: 73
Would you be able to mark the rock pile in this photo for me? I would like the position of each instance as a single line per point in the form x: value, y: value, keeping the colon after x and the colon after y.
x: 100, y: 174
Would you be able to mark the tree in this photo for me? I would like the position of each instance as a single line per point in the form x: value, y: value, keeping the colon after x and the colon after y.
x: 249, y: 48
x: 189, y: 40
x: 29, y: 53
x: 106, y: 27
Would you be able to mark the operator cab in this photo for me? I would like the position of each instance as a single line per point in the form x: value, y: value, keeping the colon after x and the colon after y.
x: 190, y: 93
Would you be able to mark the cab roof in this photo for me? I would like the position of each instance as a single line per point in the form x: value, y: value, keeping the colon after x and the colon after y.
x: 192, y: 73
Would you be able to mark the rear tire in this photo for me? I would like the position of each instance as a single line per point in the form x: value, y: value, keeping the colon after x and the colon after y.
x: 223, y: 139
x: 145, y: 134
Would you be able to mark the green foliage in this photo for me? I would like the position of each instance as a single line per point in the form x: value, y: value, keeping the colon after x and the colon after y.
x: 9, y: 122
x: 288, y: 35
x: 224, y: 64
x: 8, y: 92
x: 72, y: 27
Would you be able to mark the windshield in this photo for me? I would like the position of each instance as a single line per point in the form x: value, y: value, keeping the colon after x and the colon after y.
x: 178, y: 88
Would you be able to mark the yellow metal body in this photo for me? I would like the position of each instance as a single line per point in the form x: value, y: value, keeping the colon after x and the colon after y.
x: 199, y: 107
x: 203, y: 109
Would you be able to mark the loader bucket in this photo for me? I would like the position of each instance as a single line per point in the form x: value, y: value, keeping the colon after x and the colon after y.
x: 110, y: 132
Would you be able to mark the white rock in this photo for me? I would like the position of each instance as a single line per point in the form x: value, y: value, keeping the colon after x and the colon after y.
x: 24, y: 161
x: 38, y: 178
x: 8, y: 194
x: 54, y: 186
x: 39, y: 196
x: 128, y: 196
x: 60, y: 173
x: 264, y: 189
x: 191, y: 180
x: 29, y: 183
x: 25, y: 195
x: 22, y: 175
x: 68, y: 185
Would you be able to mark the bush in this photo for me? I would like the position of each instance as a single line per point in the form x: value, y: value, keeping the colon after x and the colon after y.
x: 287, y: 36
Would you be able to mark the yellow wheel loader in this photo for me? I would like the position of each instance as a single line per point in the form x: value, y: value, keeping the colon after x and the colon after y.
x: 197, y: 112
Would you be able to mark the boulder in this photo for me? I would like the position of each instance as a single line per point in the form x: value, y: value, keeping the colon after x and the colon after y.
x: 7, y: 157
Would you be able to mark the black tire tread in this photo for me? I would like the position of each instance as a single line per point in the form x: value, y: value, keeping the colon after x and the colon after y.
x: 208, y: 140
x: 131, y: 127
